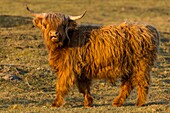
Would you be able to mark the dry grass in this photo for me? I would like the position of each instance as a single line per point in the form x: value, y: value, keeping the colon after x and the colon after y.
x: 23, y: 54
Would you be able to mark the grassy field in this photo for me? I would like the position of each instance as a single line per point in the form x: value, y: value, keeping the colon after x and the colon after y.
x: 23, y: 55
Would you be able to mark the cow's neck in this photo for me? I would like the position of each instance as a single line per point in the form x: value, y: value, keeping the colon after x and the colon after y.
x: 58, y: 56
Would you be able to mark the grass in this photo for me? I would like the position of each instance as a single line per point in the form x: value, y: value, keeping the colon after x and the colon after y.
x: 22, y: 53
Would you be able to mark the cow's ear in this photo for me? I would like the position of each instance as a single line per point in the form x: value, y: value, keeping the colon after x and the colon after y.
x: 37, y: 22
x: 72, y: 24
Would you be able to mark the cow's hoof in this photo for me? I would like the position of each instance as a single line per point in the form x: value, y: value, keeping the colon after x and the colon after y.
x: 57, y: 103
x: 140, y: 104
x: 88, y: 100
x: 117, y: 102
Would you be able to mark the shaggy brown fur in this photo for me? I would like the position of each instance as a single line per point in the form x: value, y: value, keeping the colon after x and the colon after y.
x: 80, y: 54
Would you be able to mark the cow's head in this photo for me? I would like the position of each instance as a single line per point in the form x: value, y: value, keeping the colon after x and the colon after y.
x: 55, y: 26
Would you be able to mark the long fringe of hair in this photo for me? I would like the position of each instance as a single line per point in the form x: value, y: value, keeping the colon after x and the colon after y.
x: 107, y: 52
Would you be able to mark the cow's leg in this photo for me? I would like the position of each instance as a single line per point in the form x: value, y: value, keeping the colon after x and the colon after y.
x: 142, y: 83
x: 63, y: 85
x: 125, y: 90
x: 83, y: 85
x: 142, y: 94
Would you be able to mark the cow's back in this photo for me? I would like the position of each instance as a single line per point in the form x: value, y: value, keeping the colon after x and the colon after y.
x: 116, y: 49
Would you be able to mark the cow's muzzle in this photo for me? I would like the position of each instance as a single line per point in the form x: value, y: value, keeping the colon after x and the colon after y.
x: 54, y: 39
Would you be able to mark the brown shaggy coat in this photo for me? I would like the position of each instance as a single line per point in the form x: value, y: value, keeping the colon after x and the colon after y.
x: 79, y: 54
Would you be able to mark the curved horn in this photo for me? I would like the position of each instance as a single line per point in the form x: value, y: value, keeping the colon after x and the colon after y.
x: 77, y: 17
x: 41, y: 15
x: 28, y: 9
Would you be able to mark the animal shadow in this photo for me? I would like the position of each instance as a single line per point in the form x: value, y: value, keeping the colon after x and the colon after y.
x: 14, y: 21
x: 148, y: 104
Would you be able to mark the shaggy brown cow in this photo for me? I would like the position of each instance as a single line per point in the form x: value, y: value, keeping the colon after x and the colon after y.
x: 80, y: 54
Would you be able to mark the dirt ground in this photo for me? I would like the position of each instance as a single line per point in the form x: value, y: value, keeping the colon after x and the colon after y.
x: 27, y: 84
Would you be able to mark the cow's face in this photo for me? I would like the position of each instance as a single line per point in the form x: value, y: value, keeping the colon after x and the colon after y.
x: 55, y: 26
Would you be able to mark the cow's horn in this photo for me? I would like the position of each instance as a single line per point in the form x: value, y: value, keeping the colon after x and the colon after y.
x: 77, y: 17
x: 28, y: 9
x: 41, y: 15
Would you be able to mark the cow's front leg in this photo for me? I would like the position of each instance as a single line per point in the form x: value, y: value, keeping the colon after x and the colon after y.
x: 83, y: 85
x: 62, y: 87
x: 58, y: 101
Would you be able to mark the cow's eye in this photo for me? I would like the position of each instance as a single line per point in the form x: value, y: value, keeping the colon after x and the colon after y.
x: 57, y: 33
x: 45, y: 26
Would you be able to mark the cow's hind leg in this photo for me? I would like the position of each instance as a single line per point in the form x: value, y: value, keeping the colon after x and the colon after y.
x: 142, y: 94
x: 142, y: 84
x: 83, y: 85
x: 125, y: 90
